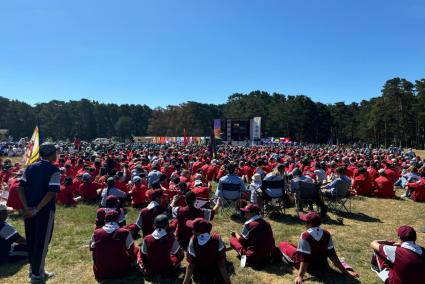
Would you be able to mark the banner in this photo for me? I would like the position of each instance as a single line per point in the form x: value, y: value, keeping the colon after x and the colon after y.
x: 217, y: 128
x: 32, y: 153
x: 256, y: 128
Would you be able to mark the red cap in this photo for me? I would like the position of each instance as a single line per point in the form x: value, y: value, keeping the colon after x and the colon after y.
x: 312, y: 218
x: 111, y: 200
x: 406, y: 233
x: 252, y: 208
x: 199, y: 225
x: 111, y: 216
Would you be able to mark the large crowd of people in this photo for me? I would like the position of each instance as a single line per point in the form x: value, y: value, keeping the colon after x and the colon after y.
x: 178, y: 191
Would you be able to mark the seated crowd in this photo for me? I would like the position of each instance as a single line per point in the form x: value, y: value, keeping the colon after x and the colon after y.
x: 173, y: 189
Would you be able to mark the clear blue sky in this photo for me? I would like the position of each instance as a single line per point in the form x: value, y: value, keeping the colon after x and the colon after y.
x: 164, y: 52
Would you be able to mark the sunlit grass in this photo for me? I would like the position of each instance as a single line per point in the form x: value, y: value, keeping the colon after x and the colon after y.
x: 70, y: 258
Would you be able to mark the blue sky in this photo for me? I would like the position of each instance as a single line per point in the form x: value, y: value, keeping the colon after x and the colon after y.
x: 169, y: 51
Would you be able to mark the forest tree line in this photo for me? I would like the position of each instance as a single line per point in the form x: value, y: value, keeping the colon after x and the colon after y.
x: 396, y: 116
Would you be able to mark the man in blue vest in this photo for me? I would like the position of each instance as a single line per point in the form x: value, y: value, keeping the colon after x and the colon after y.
x: 39, y: 186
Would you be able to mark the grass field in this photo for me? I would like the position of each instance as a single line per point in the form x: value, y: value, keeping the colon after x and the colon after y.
x: 70, y: 258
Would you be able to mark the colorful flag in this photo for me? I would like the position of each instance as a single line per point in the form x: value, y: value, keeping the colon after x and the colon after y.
x: 185, y: 137
x: 217, y: 128
x: 32, y: 153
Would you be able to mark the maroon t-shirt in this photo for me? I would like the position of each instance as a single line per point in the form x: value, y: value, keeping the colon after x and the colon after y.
x: 158, y: 254
x: 206, y: 257
x: 146, y: 217
x: 258, y: 241
x: 407, y: 263
x: 184, y: 214
x: 113, y: 252
x: 315, y: 246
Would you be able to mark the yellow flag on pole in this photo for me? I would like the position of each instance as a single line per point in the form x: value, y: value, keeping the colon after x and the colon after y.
x: 32, y: 153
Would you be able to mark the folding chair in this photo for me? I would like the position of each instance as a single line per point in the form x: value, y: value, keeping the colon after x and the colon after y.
x: 202, y: 203
x: 230, y: 194
x: 306, y: 193
x: 275, y: 204
x: 340, y: 200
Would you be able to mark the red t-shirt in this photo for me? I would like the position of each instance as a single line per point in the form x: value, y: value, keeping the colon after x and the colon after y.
x: 196, y: 166
x: 14, y: 200
x: 392, y: 175
x: 201, y: 192
x: 373, y: 173
x: 66, y: 195
x: 139, y: 194
x: 418, y: 187
x: 363, y: 184
x: 212, y: 172
x: 88, y: 190
x: 384, y: 188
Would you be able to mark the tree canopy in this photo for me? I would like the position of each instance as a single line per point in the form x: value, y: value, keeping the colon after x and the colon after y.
x: 396, y: 116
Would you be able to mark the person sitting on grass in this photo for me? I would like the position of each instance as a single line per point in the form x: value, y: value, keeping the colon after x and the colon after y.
x: 113, y: 249
x: 112, y: 190
x: 112, y: 203
x: 314, y: 248
x: 66, y: 194
x: 89, y: 189
x: 12, y: 244
x: 160, y: 252
x: 416, y: 189
x: 138, y: 191
x: 362, y: 183
x: 384, y: 188
x: 13, y: 184
x: 256, y: 242
x: 206, y: 255
x: 399, y: 262
x: 189, y: 212
x: 145, y: 220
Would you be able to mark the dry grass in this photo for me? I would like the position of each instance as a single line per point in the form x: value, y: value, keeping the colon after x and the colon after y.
x: 70, y: 258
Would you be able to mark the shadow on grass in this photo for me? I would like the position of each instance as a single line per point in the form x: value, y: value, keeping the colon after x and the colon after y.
x: 237, y: 218
x: 358, y: 217
x: 11, y: 268
x: 136, y: 277
x: 295, y: 220
x: 277, y: 268
x: 331, y: 276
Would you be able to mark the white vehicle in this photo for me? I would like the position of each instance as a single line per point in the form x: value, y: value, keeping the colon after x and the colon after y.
x: 102, y: 141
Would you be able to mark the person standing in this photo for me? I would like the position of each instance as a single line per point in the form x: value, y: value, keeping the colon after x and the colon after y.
x: 77, y: 143
x: 38, y: 188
